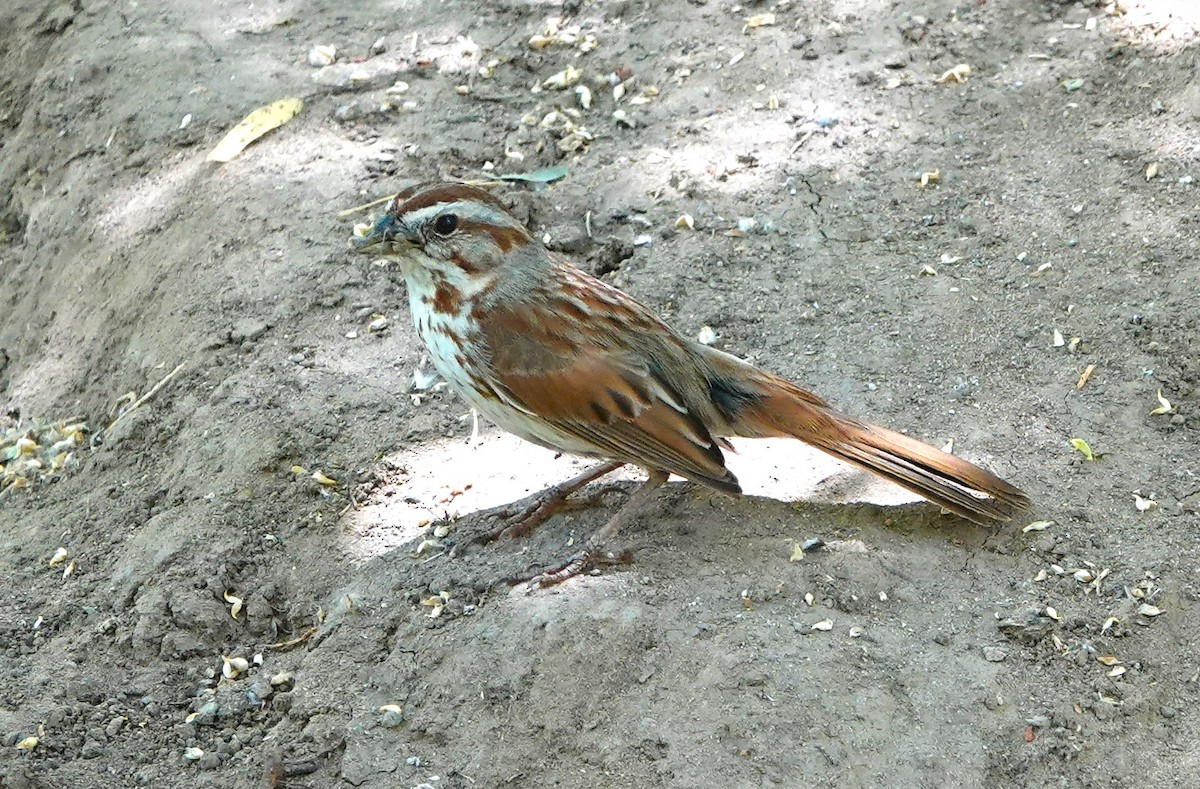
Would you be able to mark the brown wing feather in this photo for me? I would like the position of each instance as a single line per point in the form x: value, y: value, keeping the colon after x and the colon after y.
x: 603, y: 395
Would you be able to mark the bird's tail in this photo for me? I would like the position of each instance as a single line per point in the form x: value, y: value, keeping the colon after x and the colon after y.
x: 762, y: 405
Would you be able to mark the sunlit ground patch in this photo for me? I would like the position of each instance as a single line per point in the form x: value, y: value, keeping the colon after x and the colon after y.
x: 453, y: 478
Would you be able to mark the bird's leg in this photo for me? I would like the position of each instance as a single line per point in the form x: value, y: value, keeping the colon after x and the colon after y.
x: 594, y: 549
x: 522, y: 516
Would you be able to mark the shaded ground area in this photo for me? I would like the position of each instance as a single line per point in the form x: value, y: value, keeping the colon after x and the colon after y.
x: 1057, y: 238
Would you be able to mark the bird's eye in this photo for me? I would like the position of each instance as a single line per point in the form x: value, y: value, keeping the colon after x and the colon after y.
x: 445, y: 224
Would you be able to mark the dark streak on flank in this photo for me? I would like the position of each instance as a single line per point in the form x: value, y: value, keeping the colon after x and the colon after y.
x: 624, y: 404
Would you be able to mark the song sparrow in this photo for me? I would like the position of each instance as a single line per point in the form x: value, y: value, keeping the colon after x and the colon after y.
x: 567, y: 361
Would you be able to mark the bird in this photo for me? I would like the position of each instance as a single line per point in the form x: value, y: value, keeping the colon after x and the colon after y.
x: 567, y: 361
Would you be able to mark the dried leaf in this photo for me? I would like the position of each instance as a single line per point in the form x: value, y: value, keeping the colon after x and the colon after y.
x: 1107, y: 660
x: 759, y: 20
x: 1152, y: 170
x: 824, y: 624
x: 1164, y: 405
x: 27, y: 744
x: 1143, y: 505
x: 1085, y: 376
x: 59, y: 557
x: 235, y: 604
x: 253, y: 126
x: 957, y: 74
x: 1037, y: 526
x: 1058, y: 340
x: 321, y: 479
x: 563, y: 79
x: 1145, y: 609
x: 546, y: 175
x: 797, y: 552
x: 685, y: 220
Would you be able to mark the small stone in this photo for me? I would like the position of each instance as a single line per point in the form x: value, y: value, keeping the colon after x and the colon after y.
x: 209, y: 761
x: 296, y: 358
x: 347, y: 112
x: 322, y: 55
x: 91, y: 749
x: 1167, y: 712
x: 247, y: 330
x: 800, y: 42
x: 114, y: 727
x: 995, y: 654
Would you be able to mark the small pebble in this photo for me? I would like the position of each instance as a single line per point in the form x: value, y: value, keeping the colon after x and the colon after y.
x: 91, y: 749
x: 995, y: 654
x: 1167, y: 712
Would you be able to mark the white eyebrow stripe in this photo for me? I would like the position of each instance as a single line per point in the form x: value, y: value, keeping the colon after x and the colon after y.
x: 465, y: 209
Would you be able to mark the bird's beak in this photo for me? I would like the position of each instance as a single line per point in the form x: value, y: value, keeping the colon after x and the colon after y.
x: 385, y: 236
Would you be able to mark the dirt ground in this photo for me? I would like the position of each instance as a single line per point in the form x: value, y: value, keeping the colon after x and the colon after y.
x: 1057, y: 237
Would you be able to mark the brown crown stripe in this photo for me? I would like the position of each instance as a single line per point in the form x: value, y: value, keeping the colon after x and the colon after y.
x: 448, y: 193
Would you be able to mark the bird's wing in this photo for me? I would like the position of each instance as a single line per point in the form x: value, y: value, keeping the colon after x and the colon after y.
x: 570, y: 367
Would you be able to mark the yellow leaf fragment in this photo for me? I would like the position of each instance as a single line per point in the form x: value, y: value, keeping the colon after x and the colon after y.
x: 70, y: 568
x: 1152, y: 170
x: 1057, y: 340
x: 1145, y: 609
x: 1109, y: 624
x: 1108, y: 660
x: 685, y: 220
x: 253, y: 126
x: 797, y: 552
x: 1037, y: 526
x: 957, y: 74
x: 1083, y: 448
x: 27, y: 744
x: 235, y: 604
x: 59, y: 557
x: 1164, y: 405
x: 932, y: 176
x: 299, y: 470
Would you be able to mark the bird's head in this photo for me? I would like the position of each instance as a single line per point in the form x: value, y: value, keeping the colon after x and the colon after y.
x: 447, y: 227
